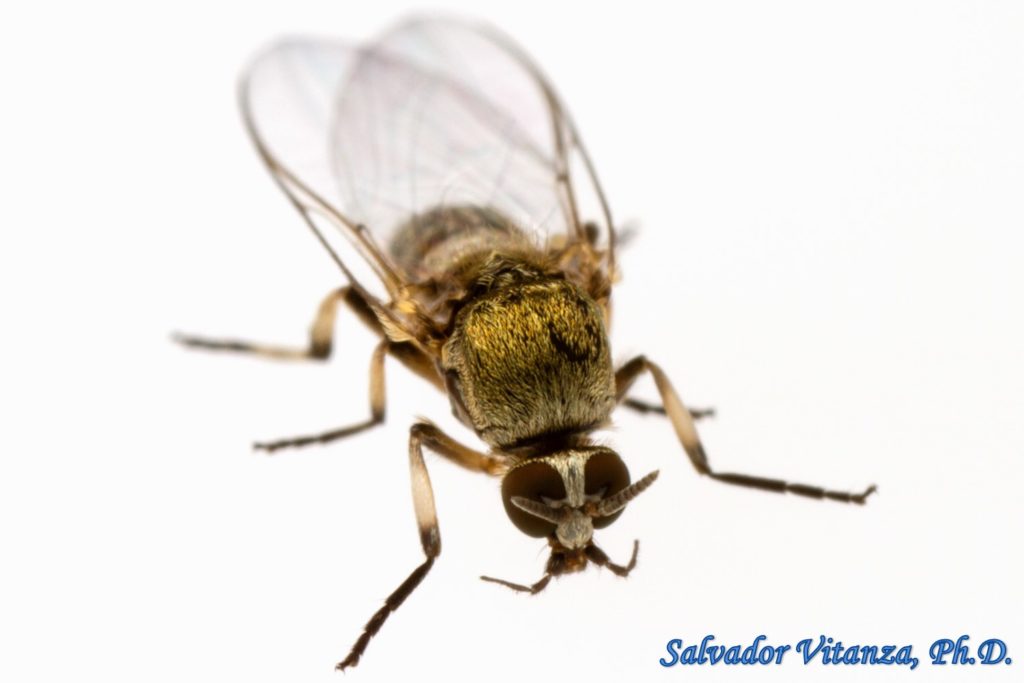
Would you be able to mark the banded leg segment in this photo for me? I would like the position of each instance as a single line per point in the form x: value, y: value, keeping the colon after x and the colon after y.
x: 320, y: 345
x: 643, y: 407
x: 433, y: 438
x: 624, y: 379
x: 682, y: 422
x: 378, y: 404
x: 321, y: 332
x: 420, y: 435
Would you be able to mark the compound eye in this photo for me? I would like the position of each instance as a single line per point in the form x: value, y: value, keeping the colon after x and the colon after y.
x: 605, y: 473
x: 535, y: 480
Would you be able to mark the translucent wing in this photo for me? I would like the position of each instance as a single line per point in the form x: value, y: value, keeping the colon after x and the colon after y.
x: 287, y: 98
x: 473, y: 121
x: 435, y: 113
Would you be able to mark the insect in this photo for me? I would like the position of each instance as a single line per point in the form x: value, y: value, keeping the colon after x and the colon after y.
x: 448, y: 161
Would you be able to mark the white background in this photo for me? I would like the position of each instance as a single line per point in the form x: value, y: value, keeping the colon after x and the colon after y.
x: 830, y: 214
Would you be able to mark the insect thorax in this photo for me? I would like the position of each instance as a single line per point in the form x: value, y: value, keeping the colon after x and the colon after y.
x: 528, y: 360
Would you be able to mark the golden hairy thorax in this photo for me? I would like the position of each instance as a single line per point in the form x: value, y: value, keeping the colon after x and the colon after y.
x: 528, y: 360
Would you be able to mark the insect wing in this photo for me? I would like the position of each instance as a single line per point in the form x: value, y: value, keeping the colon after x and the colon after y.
x: 441, y: 113
x: 288, y: 98
x: 436, y: 113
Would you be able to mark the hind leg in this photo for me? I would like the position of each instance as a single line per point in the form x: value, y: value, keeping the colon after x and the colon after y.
x: 321, y: 332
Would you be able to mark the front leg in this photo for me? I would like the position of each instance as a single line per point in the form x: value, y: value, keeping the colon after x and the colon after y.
x: 430, y: 539
x: 420, y: 435
x: 682, y: 422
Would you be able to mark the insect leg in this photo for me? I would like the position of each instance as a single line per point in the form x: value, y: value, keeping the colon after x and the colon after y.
x: 624, y: 378
x: 378, y: 399
x: 556, y: 566
x: 416, y: 361
x: 532, y: 589
x: 643, y: 407
x: 444, y: 445
x: 682, y: 422
x: 430, y: 539
x: 321, y: 333
x: 598, y: 557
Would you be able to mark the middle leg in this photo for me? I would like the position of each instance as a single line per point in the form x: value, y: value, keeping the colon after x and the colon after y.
x: 378, y: 401
x: 624, y: 379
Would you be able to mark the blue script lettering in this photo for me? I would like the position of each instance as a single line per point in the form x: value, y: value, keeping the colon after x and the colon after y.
x: 805, y: 645
x: 756, y: 653
x: 941, y: 648
x: 674, y: 643
x: 834, y: 652
x: 987, y: 654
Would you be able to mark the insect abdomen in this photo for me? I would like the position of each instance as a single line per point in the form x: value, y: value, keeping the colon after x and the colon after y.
x: 430, y: 245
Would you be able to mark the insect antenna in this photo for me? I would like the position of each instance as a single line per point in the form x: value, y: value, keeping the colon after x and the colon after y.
x: 545, y: 512
x: 609, y: 506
